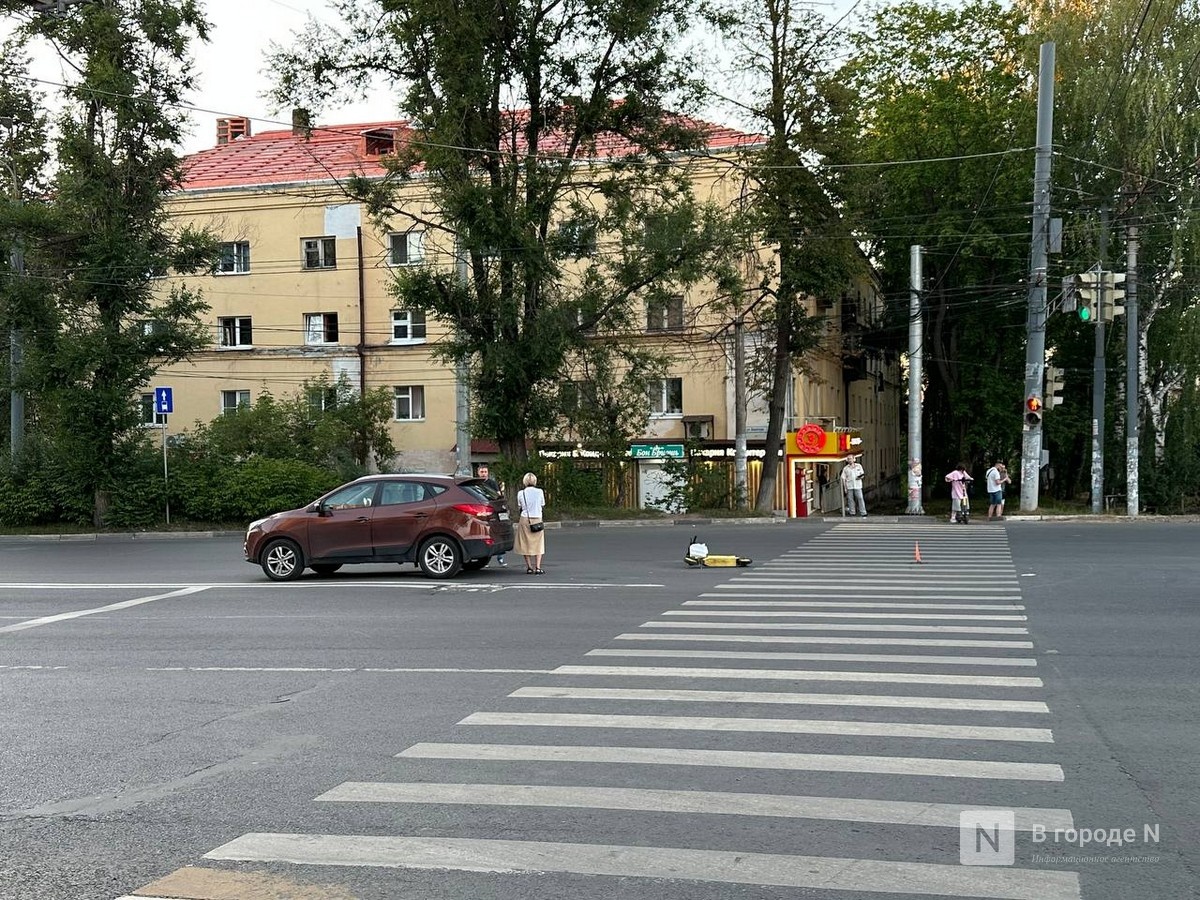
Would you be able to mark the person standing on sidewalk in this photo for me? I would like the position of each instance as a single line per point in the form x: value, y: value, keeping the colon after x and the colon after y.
x: 492, y: 483
x: 531, y: 543
x: 852, y: 483
x: 958, y: 493
x: 997, y: 477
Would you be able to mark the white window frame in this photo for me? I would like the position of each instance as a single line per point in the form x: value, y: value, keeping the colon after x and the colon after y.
x: 318, y: 330
x: 660, y: 399
x: 412, y: 321
x: 151, y: 418
x: 325, y: 249
x: 412, y: 243
x: 241, y: 400
x: 238, y: 259
x: 414, y: 396
x: 231, y: 330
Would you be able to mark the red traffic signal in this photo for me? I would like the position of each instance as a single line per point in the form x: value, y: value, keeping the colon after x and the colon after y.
x: 1033, y: 410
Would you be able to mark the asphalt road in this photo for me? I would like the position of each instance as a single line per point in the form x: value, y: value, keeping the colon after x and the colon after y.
x: 171, y: 737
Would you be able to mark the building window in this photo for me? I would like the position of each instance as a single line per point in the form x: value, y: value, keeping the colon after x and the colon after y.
x: 666, y: 397
x: 320, y: 253
x: 235, y: 258
x: 236, y: 331
x: 379, y: 142
x: 665, y: 313
x: 408, y: 326
x: 150, y: 418
x: 406, y: 249
x: 320, y: 328
x: 322, y: 398
x: 577, y: 238
x: 410, y: 403
x: 151, y: 327
x: 232, y: 401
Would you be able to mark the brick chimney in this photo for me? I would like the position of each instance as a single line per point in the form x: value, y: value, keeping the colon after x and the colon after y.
x: 232, y: 128
x: 301, y: 123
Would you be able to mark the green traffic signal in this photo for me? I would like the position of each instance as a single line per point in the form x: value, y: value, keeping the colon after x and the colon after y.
x: 1085, y: 314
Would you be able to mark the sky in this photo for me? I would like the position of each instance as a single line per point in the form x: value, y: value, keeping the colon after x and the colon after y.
x: 231, y: 69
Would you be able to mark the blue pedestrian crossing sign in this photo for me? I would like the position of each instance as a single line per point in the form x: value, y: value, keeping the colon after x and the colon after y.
x: 164, y: 402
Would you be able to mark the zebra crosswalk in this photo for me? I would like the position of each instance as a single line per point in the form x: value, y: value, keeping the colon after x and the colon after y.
x: 820, y: 722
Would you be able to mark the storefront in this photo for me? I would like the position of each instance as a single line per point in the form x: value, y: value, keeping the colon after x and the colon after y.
x: 813, y: 462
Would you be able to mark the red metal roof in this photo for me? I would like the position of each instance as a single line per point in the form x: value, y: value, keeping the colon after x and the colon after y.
x: 338, y: 151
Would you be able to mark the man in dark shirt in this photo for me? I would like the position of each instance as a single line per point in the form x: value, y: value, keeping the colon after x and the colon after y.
x: 491, y: 482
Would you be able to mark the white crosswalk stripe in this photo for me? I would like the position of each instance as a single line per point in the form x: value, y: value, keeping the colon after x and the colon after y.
x: 667, y: 731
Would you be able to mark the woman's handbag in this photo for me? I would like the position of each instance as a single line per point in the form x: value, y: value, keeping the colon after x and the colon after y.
x: 535, y: 527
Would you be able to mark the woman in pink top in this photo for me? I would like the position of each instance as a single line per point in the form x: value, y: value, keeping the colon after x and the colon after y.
x: 958, y: 493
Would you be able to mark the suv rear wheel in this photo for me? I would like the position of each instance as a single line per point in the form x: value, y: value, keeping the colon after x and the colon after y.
x: 440, y: 557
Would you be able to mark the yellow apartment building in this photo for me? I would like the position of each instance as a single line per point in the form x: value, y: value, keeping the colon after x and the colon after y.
x: 301, y: 292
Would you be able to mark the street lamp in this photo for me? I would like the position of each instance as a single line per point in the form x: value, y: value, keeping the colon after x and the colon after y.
x: 16, y: 405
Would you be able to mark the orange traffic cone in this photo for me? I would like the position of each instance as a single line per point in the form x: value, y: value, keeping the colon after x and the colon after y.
x: 916, y: 551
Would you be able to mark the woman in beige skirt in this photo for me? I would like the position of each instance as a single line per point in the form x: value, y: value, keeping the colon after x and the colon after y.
x: 531, y: 544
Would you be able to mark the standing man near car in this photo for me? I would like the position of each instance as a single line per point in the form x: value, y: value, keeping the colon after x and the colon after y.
x: 491, y: 482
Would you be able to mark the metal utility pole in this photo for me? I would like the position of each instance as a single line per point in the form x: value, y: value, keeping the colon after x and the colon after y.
x: 1132, y: 365
x: 462, y: 373
x: 916, y: 360
x: 739, y: 414
x: 1098, y: 375
x: 1035, y: 325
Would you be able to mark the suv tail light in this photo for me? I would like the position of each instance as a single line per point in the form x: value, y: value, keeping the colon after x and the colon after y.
x: 482, y: 510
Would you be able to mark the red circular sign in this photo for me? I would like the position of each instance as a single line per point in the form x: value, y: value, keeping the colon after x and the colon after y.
x: 811, y: 438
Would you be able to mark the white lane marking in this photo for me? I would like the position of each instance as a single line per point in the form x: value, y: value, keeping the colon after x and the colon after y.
x: 800, y: 675
x: 325, y: 583
x: 916, y: 579
x: 826, y: 626
x: 719, y: 866
x: 348, y: 669
x: 839, y: 605
x: 844, y: 587
x: 783, y: 592
x: 785, y: 697
x: 784, y: 806
x: 814, y: 639
x: 79, y: 613
x: 763, y: 726
x: 817, y: 614
x: 30, y: 668
x: 742, y: 759
x: 825, y: 657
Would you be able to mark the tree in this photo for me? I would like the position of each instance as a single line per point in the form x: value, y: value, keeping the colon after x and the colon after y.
x: 104, y: 327
x: 514, y: 108
x: 794, y: 203
x: 945, y: 98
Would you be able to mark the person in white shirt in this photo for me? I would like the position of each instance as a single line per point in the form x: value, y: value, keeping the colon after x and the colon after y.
x: 531, y: 544
x: 997, y: 478
x: 852, y: 482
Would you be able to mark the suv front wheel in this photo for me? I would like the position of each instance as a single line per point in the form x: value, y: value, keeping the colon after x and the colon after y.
x: 440, y: 557
x: 282, y: 560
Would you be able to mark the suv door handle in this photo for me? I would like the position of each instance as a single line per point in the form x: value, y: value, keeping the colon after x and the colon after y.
x: 420, y: 515
x: 363, y: 519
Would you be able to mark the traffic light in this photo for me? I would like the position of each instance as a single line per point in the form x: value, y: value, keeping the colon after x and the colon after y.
x: 1087, y: 297
x: 1033, y: 410
x: 1054, y: 386
x: 1113, y: 296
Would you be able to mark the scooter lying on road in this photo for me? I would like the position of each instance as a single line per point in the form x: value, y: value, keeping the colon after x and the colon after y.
x: 698, y: 555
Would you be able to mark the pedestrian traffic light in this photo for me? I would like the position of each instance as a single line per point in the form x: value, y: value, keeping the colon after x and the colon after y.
x: 1113, y: 296
x: 1054, y: 386
x: 1087, y: 297
x: 1033, y: 410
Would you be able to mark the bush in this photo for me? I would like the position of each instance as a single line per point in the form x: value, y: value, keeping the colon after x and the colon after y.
x: 241, y: 491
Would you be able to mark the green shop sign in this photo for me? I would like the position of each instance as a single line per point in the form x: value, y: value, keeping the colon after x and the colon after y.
x: 656, y: 451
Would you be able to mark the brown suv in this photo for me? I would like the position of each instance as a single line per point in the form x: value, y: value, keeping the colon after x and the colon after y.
x: 443, y: 523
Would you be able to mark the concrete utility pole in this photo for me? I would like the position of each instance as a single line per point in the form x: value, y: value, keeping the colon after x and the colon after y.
x: 16, y: 399
x: 462, y: 374
x: 1098, y: 374
x: 916, y: 360
x: 739, y: 413
x: 1035, y: 325
x: 1132, y: 333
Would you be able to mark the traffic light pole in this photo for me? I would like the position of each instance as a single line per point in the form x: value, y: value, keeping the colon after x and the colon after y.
x: 1098, y: 379
x: 1132, y: 362
x: 1035, y: 326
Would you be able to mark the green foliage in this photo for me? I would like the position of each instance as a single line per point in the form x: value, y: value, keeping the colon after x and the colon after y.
x: 697, y: 483
x: 510, y: 105
x: 206, y: 491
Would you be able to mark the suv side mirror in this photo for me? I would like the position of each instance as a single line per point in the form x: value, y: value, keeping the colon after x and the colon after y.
x: 320, y: 508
